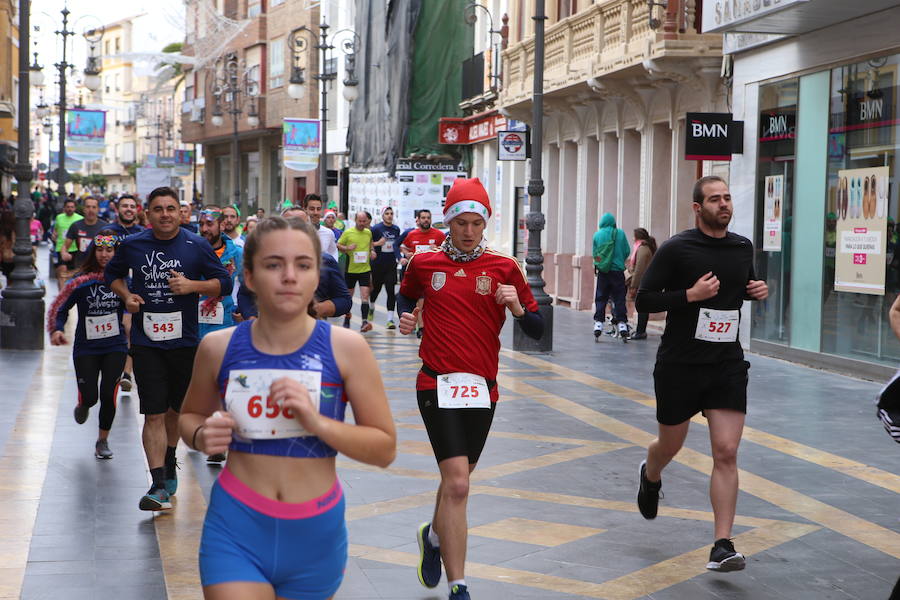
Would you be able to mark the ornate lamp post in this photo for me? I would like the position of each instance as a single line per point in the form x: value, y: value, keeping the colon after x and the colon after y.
x: 234, y: 86
x: 298, y: 45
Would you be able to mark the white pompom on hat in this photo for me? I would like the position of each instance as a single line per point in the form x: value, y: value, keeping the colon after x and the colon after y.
x: 467, y: 196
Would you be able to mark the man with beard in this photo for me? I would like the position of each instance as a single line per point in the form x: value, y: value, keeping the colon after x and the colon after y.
x: 701, y: 277
x: 230, y: 221
x: 126, y: 224
x: 216, y: 312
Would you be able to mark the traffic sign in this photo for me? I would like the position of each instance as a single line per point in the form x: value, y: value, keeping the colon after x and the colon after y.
x: 512, y: 145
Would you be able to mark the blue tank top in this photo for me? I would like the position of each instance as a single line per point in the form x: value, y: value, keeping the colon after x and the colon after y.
x: 315, y: 355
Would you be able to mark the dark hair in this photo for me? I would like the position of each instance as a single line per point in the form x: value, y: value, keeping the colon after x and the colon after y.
x: 642, y: 234
x: 127, y: 197
x: 161, y: 191
x: 67, y: 200
x: 421, y: 210
x: 270, y: 224
x: 90, y: 198
x: 309, y: 197
x: 698, y: 194
x: 91, y: 265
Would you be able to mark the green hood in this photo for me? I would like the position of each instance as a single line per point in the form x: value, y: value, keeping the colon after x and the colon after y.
x: 607, y: 220
x: 620, y: 248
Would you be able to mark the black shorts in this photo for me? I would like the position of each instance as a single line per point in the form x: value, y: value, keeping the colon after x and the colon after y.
x: 59, y: 262
x: 363, y: 279
x: 384, y: 273
x: 162, y: 376
x: 455, y: 431
x: 684, y: 390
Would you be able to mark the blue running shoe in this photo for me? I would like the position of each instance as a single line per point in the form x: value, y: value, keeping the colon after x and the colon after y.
x: 155, y: 499
x: 459, y: 592
x: 429, y: 559
x: 172, y: 478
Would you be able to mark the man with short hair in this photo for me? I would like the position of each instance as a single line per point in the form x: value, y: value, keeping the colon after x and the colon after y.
x: 63, y: 221
x: 170, y: 269
x: 184, y: 210
x: 313, y: 206
x: 231, y: 220
x: 467, y: 290
x: 384, y: 267
x: 216, y: 312
x: 701, y: 277
x: 126, y: 224
x: 82, y: 232
x: 421, y: 239
x: 356, y: 243
x: 260, y: 214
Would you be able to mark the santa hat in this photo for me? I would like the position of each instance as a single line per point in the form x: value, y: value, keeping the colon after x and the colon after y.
x: 467, y: 196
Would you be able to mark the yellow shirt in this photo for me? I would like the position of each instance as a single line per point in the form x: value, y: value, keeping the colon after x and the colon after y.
x: 359, y: 257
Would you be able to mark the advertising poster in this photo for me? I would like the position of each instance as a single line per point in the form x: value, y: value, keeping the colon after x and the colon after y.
x: 862, y: 203
x: 184, y: 162
x: 85, y: 134
x: 71, y: 163
x: 774, y: 201
x: 300, y: 140
x: 150, y: 178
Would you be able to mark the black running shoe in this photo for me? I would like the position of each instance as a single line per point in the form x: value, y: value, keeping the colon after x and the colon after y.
x: 216, y: 459
x: 429, y: 558
x: 81, y: 413
x: 649, y: 494
x: 724, y: 558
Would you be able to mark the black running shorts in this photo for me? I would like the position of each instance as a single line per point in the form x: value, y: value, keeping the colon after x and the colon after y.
x: 684, y: 390
x: 162, y: 376
x: 363, y: 279
x: 455, y: 431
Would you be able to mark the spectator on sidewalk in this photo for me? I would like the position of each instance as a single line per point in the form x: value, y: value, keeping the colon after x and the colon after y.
x: 610, y: 252
x: 642, y: 251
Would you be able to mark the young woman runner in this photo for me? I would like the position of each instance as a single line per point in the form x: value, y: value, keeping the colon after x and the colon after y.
x: 100, y: 348
x: 272, y: 392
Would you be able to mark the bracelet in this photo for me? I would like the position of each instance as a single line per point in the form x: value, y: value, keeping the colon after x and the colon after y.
x: 194, y: 437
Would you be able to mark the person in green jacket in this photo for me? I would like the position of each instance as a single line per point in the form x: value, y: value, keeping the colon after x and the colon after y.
x: 611, y: 249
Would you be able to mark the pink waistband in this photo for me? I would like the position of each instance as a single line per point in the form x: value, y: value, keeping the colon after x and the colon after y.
x: 273, y: 508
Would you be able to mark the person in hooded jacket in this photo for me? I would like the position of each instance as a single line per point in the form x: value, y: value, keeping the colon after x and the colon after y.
x: 611, y: 249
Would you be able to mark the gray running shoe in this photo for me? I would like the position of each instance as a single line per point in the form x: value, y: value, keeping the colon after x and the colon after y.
x: 101, y: 449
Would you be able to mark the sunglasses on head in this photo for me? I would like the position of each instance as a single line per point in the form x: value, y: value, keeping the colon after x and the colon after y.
x: 106, y: 241
x: 211, y: 215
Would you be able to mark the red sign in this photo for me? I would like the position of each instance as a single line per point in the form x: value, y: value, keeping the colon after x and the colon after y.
x: 470, y: 130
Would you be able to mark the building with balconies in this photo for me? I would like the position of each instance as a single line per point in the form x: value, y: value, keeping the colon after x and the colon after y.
x: 619, y: 77
x: 9, y: 93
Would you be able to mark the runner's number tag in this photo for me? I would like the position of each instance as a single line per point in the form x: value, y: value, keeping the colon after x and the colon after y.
x: 360, y: 257
x: 462, y: 390
x: 423, y: 248
x: 160, y: 327
x: 388, y: 246
x: 102, y: 326
x: 214, y: 317
x: 717, y: 325
x: 257, y: 415
x: 84, y: 243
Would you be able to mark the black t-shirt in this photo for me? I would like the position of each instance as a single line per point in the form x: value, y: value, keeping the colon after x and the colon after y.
x: 83, y: 234
x: 678, y: 264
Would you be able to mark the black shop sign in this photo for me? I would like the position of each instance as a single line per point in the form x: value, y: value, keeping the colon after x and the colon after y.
x: 712, y: 136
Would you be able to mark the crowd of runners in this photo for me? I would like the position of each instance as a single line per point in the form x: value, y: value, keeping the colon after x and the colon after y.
x: 225, y: 320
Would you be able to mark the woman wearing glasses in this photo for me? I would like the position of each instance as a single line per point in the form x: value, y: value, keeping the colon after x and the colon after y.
x: 100, y: 348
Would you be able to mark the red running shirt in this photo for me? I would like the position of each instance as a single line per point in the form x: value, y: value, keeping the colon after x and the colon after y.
x: 432, y: 238
x: 462, y: 318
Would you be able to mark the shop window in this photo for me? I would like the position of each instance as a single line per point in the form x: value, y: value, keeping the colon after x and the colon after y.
x: 774, y: 208
x: 862, y: 270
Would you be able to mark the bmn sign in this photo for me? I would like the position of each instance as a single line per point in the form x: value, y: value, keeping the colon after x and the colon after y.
x: 712, y: 136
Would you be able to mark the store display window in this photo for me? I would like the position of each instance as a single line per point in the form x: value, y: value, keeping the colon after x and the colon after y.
x: 774, y: 208
x: 862, y: 268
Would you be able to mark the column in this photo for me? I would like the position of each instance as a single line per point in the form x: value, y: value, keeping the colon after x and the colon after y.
x: 657, y: 222
x: 628, y: 209
x: 265, y: 175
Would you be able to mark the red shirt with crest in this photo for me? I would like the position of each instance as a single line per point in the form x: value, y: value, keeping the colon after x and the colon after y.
x: 461, y: 316
x: 432, y: 238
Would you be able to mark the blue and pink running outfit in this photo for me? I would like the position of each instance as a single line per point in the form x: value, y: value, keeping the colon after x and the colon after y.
x: 298, y: 548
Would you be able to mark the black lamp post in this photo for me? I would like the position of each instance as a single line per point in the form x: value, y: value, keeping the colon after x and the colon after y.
x: 22, y: 303
x: 234, y: 86
x: 534, y: 221
x: 298, y: 46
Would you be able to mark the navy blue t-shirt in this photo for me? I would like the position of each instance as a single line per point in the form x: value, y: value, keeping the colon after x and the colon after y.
x: 123, y: 232
x: 166, y: 320
x: 391, y: 234
x: 99, y: 307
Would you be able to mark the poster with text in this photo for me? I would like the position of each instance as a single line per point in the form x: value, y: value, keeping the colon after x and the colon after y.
x: 85, y: 134
x: 862, y: 202
x: 774, y: 196
x: 300, y: 141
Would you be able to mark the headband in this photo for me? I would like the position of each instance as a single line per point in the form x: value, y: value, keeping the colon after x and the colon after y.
x: 108, y: 241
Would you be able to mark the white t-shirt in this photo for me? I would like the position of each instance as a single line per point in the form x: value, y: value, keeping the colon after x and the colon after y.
x: 328, y: 241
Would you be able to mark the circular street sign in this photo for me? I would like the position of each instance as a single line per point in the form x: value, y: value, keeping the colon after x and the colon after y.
x: 513, y: 142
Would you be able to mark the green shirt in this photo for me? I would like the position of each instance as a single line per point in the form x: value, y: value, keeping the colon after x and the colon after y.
x: 359, y: 257
x: 62, y: 224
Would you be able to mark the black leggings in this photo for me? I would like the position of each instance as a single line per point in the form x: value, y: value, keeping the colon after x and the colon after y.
x: 642, y: 319
x: 109, y: 368
x: 384, y: 274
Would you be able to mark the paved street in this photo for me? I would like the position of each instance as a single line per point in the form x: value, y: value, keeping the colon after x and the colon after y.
x: 552, y: 512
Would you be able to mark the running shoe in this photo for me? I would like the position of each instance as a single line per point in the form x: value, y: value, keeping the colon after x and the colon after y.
x: 101, y: 449
x: 366, y: 326
x: 216, y: 459
x: 391, y: 325
x: 598, y: 326
x: 172, y: 478
x: 430, y: 560
x: 155, y: 499
x: 371, y: 314
x: 649, y: 494
x: 724, y: 558
x: 125, y: 382
x: 81, y: 413
x: 459, y: 592
x: 638, y: 336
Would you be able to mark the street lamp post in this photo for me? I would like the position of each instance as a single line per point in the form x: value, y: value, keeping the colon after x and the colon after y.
x: 324, y: 45
x: 22, y: 303
x: 234, y: 87
x: 534, y: 221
